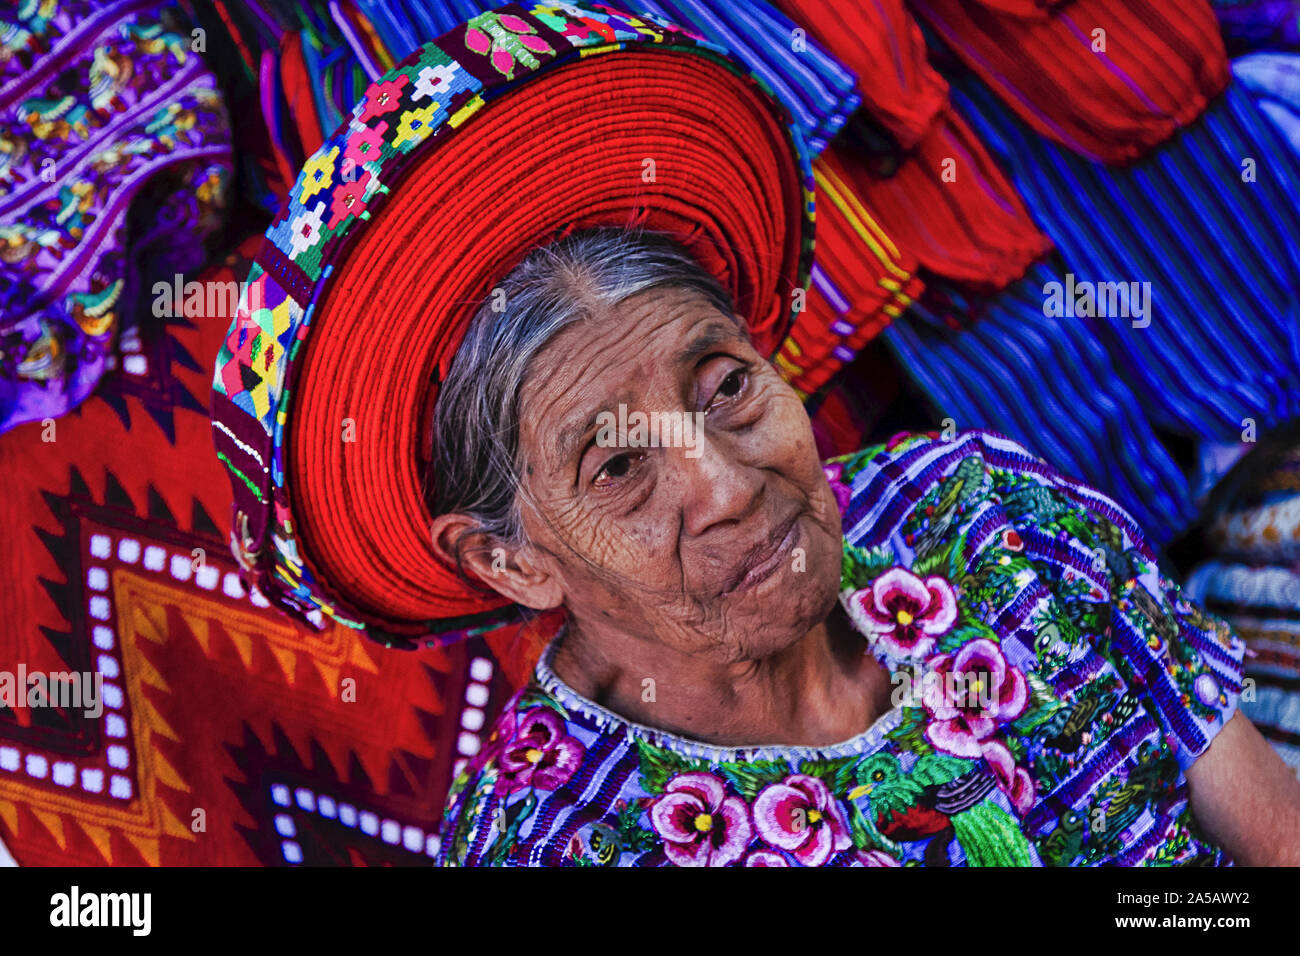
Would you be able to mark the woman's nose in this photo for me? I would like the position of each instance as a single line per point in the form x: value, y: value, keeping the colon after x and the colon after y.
x: 716, y: 488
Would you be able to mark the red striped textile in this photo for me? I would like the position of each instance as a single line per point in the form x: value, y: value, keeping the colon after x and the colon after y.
x: 1111, y: 96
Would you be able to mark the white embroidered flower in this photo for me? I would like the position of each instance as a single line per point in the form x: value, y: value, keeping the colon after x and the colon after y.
x: 434, y: 80
x: 305, y: 231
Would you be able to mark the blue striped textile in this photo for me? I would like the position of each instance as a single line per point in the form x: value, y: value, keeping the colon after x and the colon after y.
x: 1047, y: 383
x: 818, y: 90
x: 1223, y: 343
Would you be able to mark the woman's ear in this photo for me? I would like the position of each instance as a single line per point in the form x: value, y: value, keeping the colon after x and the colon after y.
x: 515, y: 573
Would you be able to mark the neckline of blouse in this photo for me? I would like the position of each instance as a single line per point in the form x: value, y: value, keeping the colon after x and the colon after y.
x: 607, y: 721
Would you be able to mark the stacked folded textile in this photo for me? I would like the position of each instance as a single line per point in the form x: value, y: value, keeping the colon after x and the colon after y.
x: 1252, y: 579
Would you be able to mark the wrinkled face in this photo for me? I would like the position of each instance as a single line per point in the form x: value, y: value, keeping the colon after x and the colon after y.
x: 711, y: 529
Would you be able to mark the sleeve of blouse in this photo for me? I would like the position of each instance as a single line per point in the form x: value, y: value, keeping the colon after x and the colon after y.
x: 1184, y: 663
x: 1187, y: 662
x: 466, y: 830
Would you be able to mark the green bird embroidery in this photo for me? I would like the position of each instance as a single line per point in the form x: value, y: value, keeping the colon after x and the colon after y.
x: 942, y: 798
x: 965, y: 484
x: 1064, y: 843
x: 1125, y: 802
x: 1033, y: 498
x: 1051, y: 646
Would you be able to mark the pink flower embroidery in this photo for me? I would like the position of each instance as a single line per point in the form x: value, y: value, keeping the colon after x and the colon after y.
x: 1014, y: 781
x: 976, y: 690
x: 383, y: 98
x: 515, y: 25
x: 538, y: 754
x: 905, y: 614
x: 800, y: 815
x: 502, y: 733
x: 348, y: 200
x: 365, y: 145
x: 501, y: 58
x: 700, y: 823
x: 765, y: 858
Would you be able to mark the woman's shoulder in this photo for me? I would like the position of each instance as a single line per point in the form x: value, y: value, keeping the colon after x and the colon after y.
x: 970, y: 560
x: 917, y: 458
x: 921, y: 488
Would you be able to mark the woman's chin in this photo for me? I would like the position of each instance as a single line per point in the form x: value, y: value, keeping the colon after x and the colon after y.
x: 768, y: 624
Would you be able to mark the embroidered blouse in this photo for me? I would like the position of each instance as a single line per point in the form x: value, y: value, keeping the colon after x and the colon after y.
x: 1052, y: 686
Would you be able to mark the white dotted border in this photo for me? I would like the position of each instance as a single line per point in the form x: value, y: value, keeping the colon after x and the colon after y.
x: 473, y: 714
x: 411, y: 838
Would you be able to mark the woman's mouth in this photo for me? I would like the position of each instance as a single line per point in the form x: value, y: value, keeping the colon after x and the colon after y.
x: 764, y: 563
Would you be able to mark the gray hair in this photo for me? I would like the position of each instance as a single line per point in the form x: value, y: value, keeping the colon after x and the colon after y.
x: 476, y: 467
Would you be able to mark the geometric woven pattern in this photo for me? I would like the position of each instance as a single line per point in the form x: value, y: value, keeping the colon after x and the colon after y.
x: 228, y: 733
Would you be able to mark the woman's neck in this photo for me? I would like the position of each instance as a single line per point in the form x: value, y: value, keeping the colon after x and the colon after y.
x: 822, y: 690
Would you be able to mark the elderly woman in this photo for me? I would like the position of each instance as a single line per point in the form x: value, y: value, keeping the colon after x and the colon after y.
x: 729, y: 685
x: 939, y: 651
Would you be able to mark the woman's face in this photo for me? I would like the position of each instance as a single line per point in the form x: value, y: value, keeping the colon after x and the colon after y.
x: 722, y: 541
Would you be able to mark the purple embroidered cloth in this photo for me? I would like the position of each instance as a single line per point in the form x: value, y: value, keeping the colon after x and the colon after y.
x: 114, y: 165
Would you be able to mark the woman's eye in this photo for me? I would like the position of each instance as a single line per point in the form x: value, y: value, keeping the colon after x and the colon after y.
x: 731, y: 386
x: 617, y: 468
